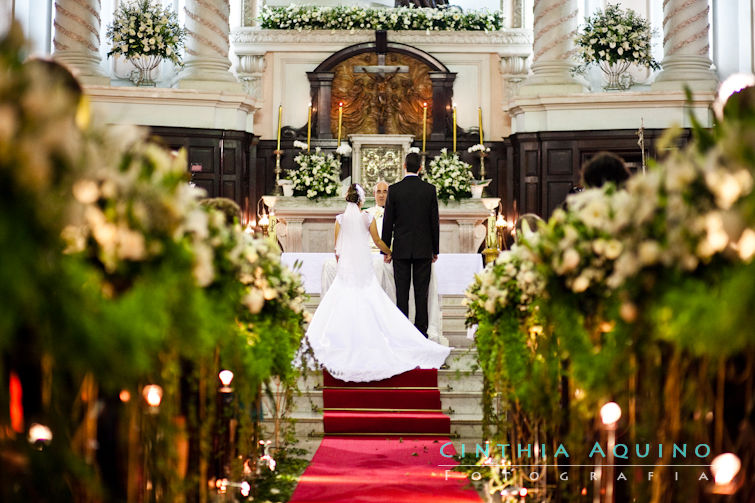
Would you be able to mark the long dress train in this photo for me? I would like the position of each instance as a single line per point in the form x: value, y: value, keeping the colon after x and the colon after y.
x: 357, y: 333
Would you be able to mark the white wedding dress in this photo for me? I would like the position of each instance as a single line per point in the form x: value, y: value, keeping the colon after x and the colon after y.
x: 357, y: 333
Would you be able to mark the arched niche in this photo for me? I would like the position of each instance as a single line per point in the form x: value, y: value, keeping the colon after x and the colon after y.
x: 360, y: 94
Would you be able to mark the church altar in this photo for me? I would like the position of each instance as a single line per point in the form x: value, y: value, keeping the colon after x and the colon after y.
x: 309, y: 226
x: 454, y: 271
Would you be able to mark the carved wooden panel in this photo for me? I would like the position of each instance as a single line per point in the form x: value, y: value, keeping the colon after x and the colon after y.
x: 374, y: 103
x: 384, y: 162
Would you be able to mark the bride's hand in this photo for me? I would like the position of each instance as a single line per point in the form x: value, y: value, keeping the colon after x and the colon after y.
x: 387, y: 258
x: 336, y: 257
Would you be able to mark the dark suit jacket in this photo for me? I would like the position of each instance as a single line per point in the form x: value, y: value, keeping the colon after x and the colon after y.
x: 411, y: 219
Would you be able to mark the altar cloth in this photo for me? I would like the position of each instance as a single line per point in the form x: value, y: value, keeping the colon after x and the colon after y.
x: 454, y: 271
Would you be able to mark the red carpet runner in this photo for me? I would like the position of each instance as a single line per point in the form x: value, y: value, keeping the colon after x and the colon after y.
x: 382, y: 444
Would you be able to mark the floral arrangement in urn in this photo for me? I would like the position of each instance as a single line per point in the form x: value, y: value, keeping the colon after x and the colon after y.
x: 145, y: 33
x: 319, y: 175
x: 451, y: 176
x: 314, y: 17
x: 614, y: 39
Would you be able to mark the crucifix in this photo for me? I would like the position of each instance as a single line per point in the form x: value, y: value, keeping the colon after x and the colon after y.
x: 381, y: 74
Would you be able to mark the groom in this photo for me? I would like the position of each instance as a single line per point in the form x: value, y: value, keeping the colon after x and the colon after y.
x: 411, y: 223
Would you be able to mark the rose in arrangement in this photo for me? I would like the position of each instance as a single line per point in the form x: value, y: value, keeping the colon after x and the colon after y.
x: 319, y: 175
x: 312, y: 17
x: 144, y: 28
x: 451, y: 176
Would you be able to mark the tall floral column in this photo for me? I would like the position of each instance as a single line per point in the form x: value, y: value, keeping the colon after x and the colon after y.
x: 77, y: 39
x: 206, y: 65
x: 686, y: 46
x: 553, y: 49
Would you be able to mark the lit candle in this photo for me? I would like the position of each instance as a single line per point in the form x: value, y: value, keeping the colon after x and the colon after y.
x: 280, y: 113
x: 309, y: 125
x: 340, y: 120
x: 453, y: 128
x: 479, y: 117
x: 424, y: 124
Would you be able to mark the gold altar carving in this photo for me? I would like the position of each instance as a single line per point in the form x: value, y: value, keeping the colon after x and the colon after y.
x: 384, y: 162
x: 377, y: 103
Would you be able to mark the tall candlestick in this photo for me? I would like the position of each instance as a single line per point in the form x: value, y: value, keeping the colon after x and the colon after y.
x: 309, y: 125
x: 340, y: 119
x: 453, y: 128
x: 280, y: 113
x: 424, y: 124
x: 479, y: 117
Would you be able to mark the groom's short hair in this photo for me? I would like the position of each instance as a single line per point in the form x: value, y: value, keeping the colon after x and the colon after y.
x: 412, y: 162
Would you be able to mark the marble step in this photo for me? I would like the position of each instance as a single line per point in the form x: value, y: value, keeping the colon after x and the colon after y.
x: 458, y: 338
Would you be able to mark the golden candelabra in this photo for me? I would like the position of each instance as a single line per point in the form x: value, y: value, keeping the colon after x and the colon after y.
x: 278, y: 190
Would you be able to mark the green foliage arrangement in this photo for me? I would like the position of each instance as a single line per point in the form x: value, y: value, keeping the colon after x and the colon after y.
x: 451, y: 176
x: 312, y: 17
x: 146, y: 28
x: 121, y: 279
x: 637, y: 290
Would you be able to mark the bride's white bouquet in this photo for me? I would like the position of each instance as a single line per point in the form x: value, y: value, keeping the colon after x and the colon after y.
x: 451, y: 176
x: 319, y: 175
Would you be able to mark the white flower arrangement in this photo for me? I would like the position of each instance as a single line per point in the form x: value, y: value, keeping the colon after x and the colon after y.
x: 318, y: 175
x: 300, y: 144
x: 344, y: 149
x: 478, y: 148
x: 413, y: 150
x: 511, y: 282
x: 451, y: 176
x: 145, y: 28
x: 313, y: 17
x: 616, y: 36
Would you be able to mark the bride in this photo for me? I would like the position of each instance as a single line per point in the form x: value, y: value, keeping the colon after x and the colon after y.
x: 357, y: 333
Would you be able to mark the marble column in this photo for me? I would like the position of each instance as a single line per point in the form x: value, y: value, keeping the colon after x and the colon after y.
x: 206, y: 63
x: 77, y: 39
x: 555, y: 26
x: 686, y: 47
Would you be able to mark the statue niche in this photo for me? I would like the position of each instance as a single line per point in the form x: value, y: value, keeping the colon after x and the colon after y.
x: 381, y: 102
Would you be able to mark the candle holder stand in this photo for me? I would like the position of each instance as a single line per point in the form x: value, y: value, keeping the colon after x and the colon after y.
x: 278, y: 190
x: 483, y: 155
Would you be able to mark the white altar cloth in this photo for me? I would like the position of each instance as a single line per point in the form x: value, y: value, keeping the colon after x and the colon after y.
x: 454, y: 271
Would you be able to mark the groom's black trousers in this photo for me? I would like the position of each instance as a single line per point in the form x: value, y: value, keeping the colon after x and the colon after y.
x: 404, y: 270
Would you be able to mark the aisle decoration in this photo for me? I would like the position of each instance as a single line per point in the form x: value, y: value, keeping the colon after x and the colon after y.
x: 123, y: 325
x: 642, y: 289
x: 145, y: 33
x: 318, y: 175
x: 613, y: 39
x: 313, y: 17
x: 451, y: 176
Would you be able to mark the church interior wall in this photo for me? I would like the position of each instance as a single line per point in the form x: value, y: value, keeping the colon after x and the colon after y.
x: 551, y: 150
x: 285, y: 83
